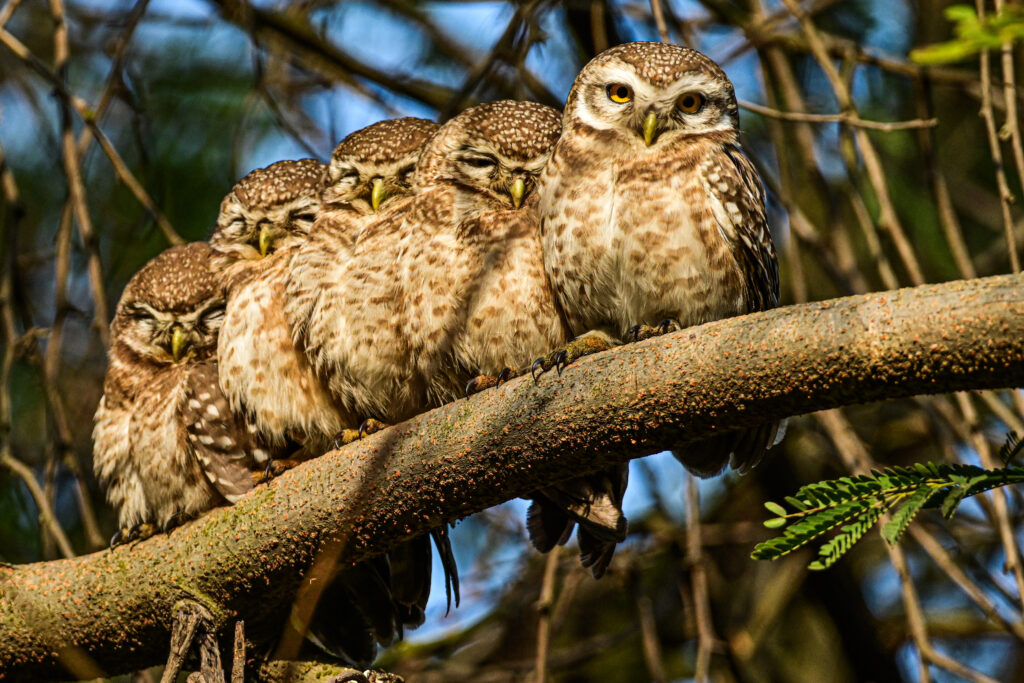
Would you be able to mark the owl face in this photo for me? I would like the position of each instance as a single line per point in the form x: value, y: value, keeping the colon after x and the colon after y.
x: 172, y: 308
x: 272, y: 208
x: 375, y: 165
x: 654, y: 93
x: 493, y: 153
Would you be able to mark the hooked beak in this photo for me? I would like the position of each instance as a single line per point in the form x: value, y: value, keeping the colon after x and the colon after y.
x: 650, y: 128
x: 179, y: 340
x: 378, y: 194
x: 516, y: 191
x: 266, y: 237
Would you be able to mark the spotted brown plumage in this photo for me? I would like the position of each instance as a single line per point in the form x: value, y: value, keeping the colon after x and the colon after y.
x: 382, y: 155
x: 164, y: 334
x: 448, y: 283
x: 651, y: 212
x: 263, y: 221
x: 260, y: 243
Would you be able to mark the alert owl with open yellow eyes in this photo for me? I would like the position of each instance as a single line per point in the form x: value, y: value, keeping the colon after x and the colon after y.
x: 652, y: 130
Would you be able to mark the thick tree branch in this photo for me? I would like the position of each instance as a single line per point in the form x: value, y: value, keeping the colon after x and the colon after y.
x: 113, y: 610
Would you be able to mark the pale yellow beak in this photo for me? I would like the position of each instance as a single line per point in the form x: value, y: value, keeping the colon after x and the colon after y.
x: 650, y: 128
x: 179, y: 340
x: 266, y: 237
x: 516, y: 191
x: 378, y: 195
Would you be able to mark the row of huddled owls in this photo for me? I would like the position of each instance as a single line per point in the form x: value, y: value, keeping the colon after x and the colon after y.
x: 427, y: 262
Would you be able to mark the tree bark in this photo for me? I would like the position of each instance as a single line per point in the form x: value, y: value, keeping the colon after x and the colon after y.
x: 111, y: 611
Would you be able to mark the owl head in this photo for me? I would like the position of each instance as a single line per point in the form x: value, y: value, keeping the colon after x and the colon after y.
x: 375, y: 164
x: 172, y: 308
x: 652, y: 93
x: 271, y: 208
x: 492, y: 153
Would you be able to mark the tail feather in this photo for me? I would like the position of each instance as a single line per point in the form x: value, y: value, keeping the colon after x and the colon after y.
x: 744, y: 450
x: 410, y: 579
x: 339, y: 628
x: 594, y: 503
x: 451, y: 569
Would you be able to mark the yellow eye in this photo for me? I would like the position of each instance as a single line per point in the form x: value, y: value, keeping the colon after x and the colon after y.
x: 620, y: 93
x: 691, y: 102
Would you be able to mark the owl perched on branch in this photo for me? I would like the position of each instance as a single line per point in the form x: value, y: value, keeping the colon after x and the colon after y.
x: 653, y: 217
x: 264, y: 224
x: 370, y: 172
x: 448, y: 284
x: 166, y: 445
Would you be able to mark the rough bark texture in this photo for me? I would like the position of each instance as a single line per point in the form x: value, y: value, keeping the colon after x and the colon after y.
x: 111, y: 611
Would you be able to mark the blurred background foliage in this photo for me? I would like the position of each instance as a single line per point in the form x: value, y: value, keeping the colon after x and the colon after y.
x: 882, y: 173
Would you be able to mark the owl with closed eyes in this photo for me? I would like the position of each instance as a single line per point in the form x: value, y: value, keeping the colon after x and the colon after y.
x: 653, y: 217
x: 265, y: 222
x: 449, y: 283
x: 370, y: 171
x: 166, y: 446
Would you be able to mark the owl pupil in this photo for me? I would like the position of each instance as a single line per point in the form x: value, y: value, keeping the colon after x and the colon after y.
x: 620, y: 92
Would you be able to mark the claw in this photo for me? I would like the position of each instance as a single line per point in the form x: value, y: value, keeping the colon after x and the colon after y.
x: 370, y: 426
x: 470, y: 385
x: 539, y: 363
x: 666, y: 325
x: 504, y: 376
x: 119, y: 537
x: 634, y: 332
x: 561, y: 361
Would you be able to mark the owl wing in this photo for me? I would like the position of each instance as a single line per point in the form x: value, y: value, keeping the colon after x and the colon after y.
x: 223, y: 443
x: 738, y: 204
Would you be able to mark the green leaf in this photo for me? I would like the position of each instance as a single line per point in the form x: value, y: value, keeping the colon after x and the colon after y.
x: 1011, y: 448
x: 952, y: 501
x: 893, y: 530
x: 775, y: 509
x: 775, y: 522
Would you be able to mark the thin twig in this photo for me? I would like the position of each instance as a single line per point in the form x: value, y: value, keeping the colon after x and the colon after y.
x: 1012, y: 124
x: 544, y: 609
x: 986, y: 113
x: 47, y: 518
x: 698, y: 583
x: 649, y: 635
x: 940, y: 190
x: 999, y: 501
x: 659, y: 19
x: 885, y: 126
x: 8, y: 11
x: 887, y: 218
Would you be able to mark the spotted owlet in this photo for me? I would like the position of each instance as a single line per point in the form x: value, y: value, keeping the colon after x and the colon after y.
x: 155, y: 454
x: 449, y: 283
x: 370, y: 172
x: 652, y: 215
x: 264, y: 221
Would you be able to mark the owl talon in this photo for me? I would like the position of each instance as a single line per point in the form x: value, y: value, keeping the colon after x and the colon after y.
x: 344, y: 438
x: 480, y: 383
x: 539, y: 363
x: 561, y: 360
x: 483, y: 382
x: 667, y: 325
x: 370, y: 426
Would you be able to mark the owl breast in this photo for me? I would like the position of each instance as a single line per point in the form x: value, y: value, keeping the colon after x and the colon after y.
x: 262, y: 372
x: 173, y: 485
x: 637, y: 240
